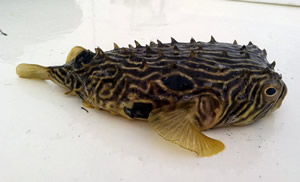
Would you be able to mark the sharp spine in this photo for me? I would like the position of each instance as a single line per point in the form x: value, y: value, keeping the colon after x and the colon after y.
x: 193, y: 41
x: 99, y: 51
x: 159, y: 43
x: 212, y: 40
x: 243, y: 48
x: 264, y: 52
x: 235, y: 42
x: 137, y: 44
x: 130, y: 46
x: 273, y: 64
x: 152, y: 43
x: 250, y: 43
x: 173, y: 41
x: 149, y: 50
x: 116, y: 46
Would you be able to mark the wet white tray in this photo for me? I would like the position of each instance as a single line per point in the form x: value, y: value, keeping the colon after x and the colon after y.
x: 46, y: 136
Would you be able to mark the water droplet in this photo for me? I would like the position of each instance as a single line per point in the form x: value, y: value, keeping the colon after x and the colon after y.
x: 207, y: 84
x: 187, y: 97
x: 232, y: 119
x: 221, y: 66
x: 242, y: 97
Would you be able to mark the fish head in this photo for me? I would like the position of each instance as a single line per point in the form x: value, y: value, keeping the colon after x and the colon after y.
x: 264, y: 94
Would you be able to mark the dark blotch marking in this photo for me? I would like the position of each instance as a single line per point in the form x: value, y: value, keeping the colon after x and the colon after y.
x: 83, y: 58
x: 139, y: 110
x: 178, y: 83
x: 77, y: 84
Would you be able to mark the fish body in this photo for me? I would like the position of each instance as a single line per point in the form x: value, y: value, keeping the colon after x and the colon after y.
x: 180, y: 88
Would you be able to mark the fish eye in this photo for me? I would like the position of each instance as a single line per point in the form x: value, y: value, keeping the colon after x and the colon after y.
x: 270, y: 91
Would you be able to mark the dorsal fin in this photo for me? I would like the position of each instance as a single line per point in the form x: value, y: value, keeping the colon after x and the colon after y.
x: 75, y: 51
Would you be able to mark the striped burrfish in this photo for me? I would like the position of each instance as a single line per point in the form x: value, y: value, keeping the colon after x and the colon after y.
x: 180, y: 89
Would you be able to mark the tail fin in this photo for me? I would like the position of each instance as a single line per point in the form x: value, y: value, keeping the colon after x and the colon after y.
x: 32, y: 71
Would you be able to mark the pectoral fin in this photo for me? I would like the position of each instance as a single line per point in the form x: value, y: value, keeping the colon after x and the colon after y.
x: 176, y: 124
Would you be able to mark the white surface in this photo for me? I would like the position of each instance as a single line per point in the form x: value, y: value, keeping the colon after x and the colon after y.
x: 278, y: 2
x: 46, y: 136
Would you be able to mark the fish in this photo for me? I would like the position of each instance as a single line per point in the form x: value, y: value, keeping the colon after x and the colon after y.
x: 180, y: 88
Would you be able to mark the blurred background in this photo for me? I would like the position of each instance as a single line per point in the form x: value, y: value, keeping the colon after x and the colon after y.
x: 46, y: 136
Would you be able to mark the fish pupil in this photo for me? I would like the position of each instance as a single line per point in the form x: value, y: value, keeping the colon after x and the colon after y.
x: 270, y: 91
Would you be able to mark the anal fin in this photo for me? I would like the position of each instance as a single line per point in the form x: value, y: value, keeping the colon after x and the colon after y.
x: 177, y: 124
x: 87, y: 105
x: 69, y: 92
